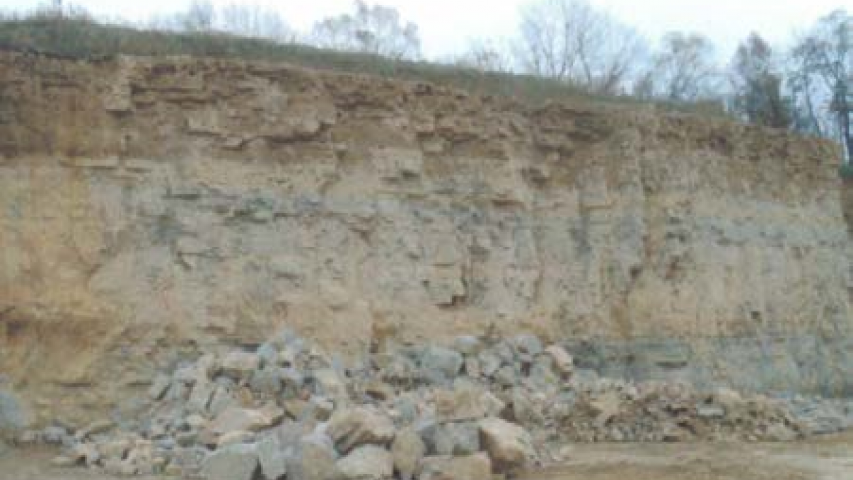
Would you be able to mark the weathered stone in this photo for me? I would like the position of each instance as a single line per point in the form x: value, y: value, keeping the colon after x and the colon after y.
x: 439, y: 364
x: 61, y: 461
x: 236, y: 419
x: 120, y: 467
x: 232, y: 438
x: 524, y: 409
x: 200, y: 396
x: 470, y: 467
x: 407, y: 449
x: 563, y: 361
x: 240, y: 364
x: 353, y: 427
x: 272, y: 456
x: 159, y: 387
x: 379, y: 390
x: 489, y: 363
x: 466, y: 402
x: 313, y: 459
x: 330, y: 384
x: 94, y: 428
x: 527, y: 344
x: 467, y: 345
x: 454, y: 438
x: 367, y: 462
x: 268, y: 380
x: 221, y: 400
x: 268, y: 355
x: 507, y: 376
x: 235, y: 462
x: 85, y: 452
x: 710, y: 411
x: 55, y: 435
x: 508, y: 444
x: 114, y: 449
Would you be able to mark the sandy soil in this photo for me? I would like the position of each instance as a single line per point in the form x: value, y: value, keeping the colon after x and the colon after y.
x: 827, y: 458
x: 824, y: 458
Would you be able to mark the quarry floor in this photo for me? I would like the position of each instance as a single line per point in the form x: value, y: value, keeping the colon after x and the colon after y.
x: 822, y: 458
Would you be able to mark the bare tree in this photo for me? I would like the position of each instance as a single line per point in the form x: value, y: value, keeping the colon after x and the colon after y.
x: 370, y: 29
x: 252, y: 20
x: 822, y: 79
x: 682, y: 70
x: 568, y: 40
x: 485, y: 56
x: 199, y: 17
x: 757, y: 85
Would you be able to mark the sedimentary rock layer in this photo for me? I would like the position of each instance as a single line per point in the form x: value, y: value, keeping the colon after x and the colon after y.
x: 151, y: 206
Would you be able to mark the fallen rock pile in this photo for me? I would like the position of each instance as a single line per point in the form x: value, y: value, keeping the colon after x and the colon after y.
x: 478, y: 407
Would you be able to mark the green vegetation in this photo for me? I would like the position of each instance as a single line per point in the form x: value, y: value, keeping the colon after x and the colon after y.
x: 83, y: 38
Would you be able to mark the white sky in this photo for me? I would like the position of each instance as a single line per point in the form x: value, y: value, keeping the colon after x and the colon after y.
x: 446, y: 26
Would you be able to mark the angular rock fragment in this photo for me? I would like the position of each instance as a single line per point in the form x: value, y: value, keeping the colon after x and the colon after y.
x: 235, y: 462
x: 353, y: 427
x: 509, y: 445
x: 367, y: 462
x: 407, y: 450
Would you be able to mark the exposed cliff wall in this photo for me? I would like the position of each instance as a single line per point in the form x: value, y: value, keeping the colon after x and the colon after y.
x: 150, y: 206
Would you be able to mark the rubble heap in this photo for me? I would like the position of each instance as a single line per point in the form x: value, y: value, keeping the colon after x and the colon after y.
x: 468, y: 410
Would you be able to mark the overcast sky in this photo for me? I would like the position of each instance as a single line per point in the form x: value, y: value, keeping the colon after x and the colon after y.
x: 446, y: 26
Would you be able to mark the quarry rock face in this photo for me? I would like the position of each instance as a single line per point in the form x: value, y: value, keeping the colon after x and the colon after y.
x: 155, y: 208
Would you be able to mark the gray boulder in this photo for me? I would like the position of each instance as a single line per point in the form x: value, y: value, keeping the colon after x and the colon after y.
x: 454, y: 438
x: 368, y: 462
x: 234, y: 462
x: 313, y: 459
x: 439, y: 364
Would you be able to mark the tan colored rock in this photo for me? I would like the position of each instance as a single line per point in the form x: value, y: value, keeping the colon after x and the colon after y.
x: 367, y: 462
x: 407, y: 449
x: 240, y: 364
x: 467, y: 402
x: 236, y: 419
x: 508, y: 444
x: 357, y: 426
x: 563, y: 361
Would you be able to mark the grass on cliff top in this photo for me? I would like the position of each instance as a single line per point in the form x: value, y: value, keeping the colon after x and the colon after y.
x: 83, y: 38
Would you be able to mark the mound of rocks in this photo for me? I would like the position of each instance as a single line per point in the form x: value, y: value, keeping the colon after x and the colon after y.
x: 468, y: 410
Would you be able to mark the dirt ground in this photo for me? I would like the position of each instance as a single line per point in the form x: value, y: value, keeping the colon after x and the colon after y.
x: 823, y: 458
x: 826, y: 458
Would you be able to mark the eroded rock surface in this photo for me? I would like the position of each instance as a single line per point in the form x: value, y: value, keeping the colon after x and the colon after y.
x: 151, y: 209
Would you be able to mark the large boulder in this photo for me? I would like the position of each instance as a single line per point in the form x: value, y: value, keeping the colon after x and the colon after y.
x: 452, y: 438
x: 236, y: 419
x: 508, y: 444
x: 466, y: 402
x: 367, y: 462
x: 313, y: 459
x: 235, y: 462
x: 408, y: 449
x: 240, y: 364
x: 353, y: 427
x: 273, y: 453
x: 440, y: 364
